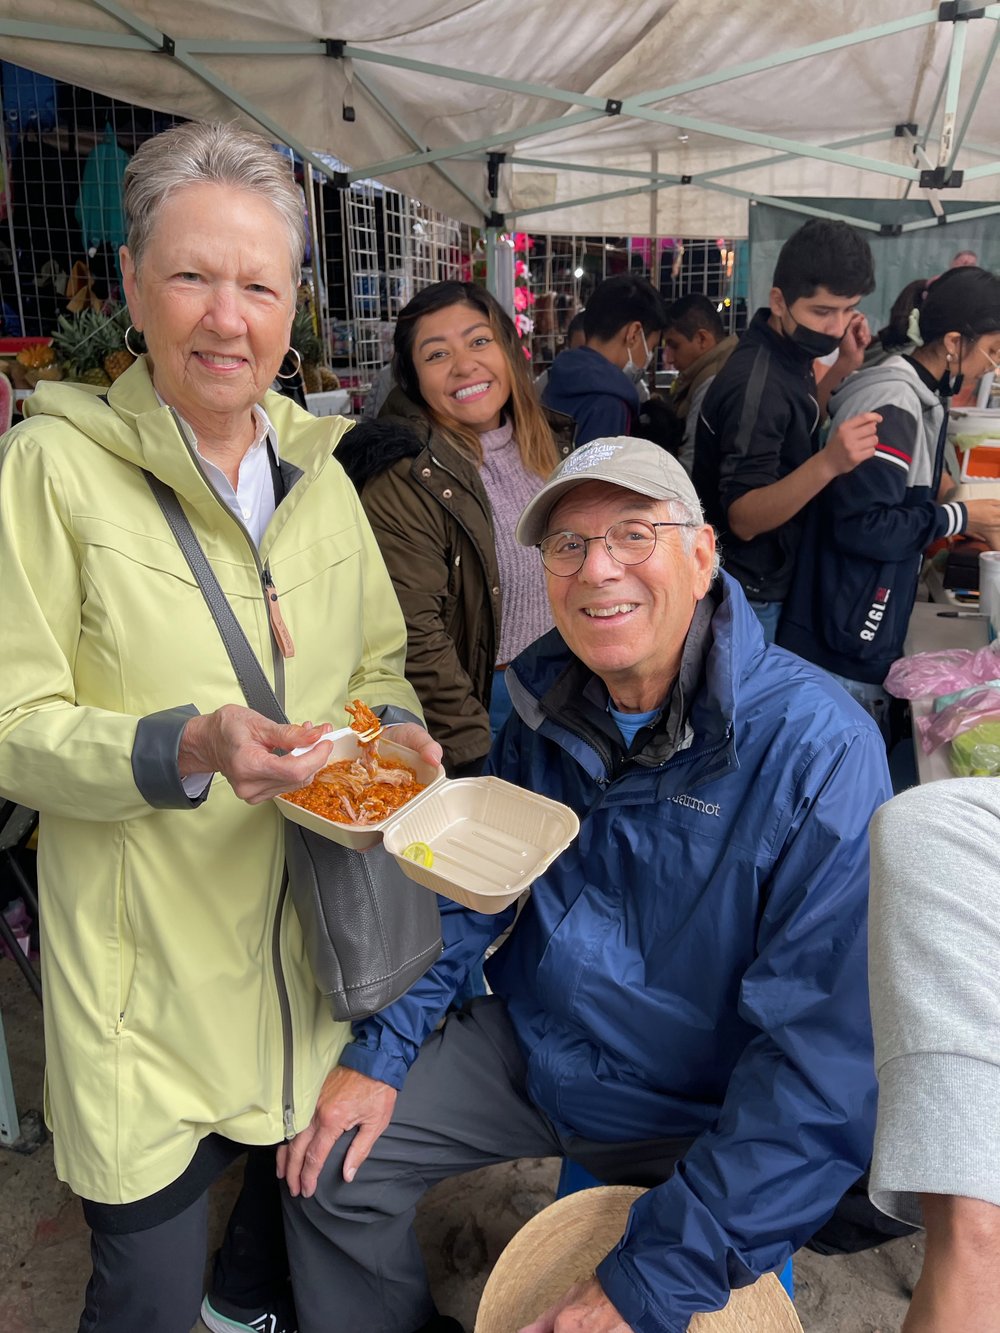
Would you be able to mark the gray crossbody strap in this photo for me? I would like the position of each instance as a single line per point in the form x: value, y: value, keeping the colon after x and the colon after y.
x: 255, y: 686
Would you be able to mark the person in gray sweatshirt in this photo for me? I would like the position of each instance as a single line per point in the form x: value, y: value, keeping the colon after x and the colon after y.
x: 934, y: 961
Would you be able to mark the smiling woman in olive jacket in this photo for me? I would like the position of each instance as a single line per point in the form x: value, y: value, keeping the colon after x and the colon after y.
x: 459, y: 448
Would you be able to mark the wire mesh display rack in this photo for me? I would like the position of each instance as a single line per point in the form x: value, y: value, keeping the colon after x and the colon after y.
x: 63, y: 149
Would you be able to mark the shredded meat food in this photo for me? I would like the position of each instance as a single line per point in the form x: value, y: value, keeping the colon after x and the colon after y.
x: 359, y: 791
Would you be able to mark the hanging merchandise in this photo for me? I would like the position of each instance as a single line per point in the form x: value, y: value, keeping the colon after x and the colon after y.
x: 100, y: 210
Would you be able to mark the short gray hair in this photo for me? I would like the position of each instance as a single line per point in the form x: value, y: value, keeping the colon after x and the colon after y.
x: 688, y: 511
x: 197, y: 153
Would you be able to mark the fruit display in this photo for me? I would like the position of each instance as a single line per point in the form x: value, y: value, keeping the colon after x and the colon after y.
x: 90, y: 344
x: 31, y: 364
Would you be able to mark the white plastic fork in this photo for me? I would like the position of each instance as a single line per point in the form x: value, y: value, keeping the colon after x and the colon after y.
x: 372, y: 734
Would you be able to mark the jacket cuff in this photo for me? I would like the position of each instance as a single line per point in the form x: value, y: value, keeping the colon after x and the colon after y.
x: 391, y: 1069
x: 154, y: 759
x: 958, y: 517
x: 630, y: 1303
x: 391, y: 714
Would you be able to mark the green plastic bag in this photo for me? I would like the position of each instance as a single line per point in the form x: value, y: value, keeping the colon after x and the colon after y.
x: 976, y: 753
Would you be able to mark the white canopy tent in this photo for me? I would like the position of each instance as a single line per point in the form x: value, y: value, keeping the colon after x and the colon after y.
x: 655, y: 117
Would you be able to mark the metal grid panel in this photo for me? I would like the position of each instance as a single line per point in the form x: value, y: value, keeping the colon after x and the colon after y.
x: 60, y: 224
x: 563, y: 271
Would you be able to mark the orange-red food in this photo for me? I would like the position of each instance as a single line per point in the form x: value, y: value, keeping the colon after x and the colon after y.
x: 362, y: 717
x: 348, y: 793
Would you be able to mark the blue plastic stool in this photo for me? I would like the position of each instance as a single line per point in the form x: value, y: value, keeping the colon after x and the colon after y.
x: 573, y: 1177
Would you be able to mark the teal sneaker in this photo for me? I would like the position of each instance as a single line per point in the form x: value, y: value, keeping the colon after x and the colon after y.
x: 221, y: 1316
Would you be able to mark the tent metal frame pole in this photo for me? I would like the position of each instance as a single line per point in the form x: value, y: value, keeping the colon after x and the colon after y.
x: 492, y: 243
x: 952, y: 90
x: 195, y: 67
x: 962, y: 215
x: 408, y: 133
x: 713, y: 128
x: 789, y: 207
x: 514, y: 134
x: 51, y: 32
x: 653, y: 187
x: 973, y: 103
x: 701, y: 177
x: 542, y: 91
x: 637, y: 173
x: 767, y: 63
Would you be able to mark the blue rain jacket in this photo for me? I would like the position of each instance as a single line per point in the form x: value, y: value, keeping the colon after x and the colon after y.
x: 694, y: 965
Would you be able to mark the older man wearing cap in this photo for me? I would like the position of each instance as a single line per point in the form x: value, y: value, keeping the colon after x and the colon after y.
x: 682, y: 1003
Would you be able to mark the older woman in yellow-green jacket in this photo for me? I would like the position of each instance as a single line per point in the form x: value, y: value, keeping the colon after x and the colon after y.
x: 182, y: 1022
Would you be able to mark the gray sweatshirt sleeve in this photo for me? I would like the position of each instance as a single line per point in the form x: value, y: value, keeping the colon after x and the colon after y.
x: 934, y: 968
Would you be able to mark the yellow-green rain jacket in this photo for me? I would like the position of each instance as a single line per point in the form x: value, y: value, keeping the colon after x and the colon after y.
x: 178, y: 999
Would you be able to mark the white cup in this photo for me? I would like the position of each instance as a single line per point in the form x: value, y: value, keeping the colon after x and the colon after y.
x: 989, y: 590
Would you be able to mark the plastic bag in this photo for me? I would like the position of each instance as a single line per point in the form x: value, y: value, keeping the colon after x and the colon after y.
x: 976, y: 753
x: 940, y: 673
x: 972, y: 708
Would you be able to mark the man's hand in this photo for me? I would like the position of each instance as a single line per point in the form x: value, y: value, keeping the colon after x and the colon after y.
x: 584, y: 1309
x: 851, y: 443
x: 240, y: 744
x: 413, y: 737
x: 983, y: 520
x: 854, y: 343
x: 347, y: 1100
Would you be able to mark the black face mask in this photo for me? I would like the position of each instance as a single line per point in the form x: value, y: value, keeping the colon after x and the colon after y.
x: 813, y: 343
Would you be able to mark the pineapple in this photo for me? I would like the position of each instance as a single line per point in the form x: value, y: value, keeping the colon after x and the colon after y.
x: 310, y: 348
x: 116, y: 358
x: 330, y: 380
x: 79, y: 341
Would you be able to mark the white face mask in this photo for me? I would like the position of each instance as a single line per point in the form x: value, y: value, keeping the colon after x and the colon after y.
x: 633, y: 371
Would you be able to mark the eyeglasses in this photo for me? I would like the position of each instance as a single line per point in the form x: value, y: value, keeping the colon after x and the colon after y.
x: 630, y: 542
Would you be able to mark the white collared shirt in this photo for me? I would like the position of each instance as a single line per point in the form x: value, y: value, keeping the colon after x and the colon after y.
x: 252, y: 502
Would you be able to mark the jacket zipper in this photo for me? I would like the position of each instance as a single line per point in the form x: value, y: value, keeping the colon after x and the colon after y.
x: 284, y: 1004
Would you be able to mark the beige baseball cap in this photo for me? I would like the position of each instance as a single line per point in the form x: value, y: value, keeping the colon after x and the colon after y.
x: 635, y: 465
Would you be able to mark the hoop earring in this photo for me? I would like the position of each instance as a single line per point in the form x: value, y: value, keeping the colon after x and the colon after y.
x: 128, y: 346
x: 292, y: 351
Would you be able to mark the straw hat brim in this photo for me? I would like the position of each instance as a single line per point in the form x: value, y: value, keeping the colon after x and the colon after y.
x: 565, y: 1242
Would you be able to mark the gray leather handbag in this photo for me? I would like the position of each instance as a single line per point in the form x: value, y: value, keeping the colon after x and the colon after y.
x: 369, y: 932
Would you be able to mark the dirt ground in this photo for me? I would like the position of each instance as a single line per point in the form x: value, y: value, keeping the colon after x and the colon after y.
x: 463, y: 1226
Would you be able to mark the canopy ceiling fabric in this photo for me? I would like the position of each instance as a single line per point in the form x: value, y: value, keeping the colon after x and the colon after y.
x: 599, y: 51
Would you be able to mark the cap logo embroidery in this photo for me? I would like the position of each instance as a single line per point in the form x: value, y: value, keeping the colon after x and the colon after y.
x: 587, y: 457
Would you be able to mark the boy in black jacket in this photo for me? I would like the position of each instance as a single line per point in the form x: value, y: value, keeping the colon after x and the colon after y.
x: 757, y: 462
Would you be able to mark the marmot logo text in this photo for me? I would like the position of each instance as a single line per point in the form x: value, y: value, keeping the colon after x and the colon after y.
x: 692, y: 803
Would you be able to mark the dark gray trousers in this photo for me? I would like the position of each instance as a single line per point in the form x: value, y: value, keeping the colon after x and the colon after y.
x: 354, y: 1257
x: 152, y: 1281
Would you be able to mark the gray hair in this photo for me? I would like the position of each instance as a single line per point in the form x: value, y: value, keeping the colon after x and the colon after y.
x: 690, y: 511
x: 197, y: 153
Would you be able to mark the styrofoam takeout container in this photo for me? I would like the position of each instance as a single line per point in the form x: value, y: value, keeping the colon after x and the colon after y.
x: 489, y: 838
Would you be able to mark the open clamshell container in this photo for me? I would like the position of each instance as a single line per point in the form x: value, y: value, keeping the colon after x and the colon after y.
x: 489, y: 839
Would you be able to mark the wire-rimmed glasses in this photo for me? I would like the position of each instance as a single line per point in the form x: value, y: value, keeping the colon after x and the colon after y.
x: 630, y: 541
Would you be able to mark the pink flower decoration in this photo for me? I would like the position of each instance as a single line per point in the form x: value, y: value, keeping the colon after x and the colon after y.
x: 523, y: 242
x: 520, y: 299
x: 520, y: 268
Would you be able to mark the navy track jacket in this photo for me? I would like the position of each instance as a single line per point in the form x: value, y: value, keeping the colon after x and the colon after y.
x: 694, y: 964
x: 866, y: 532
